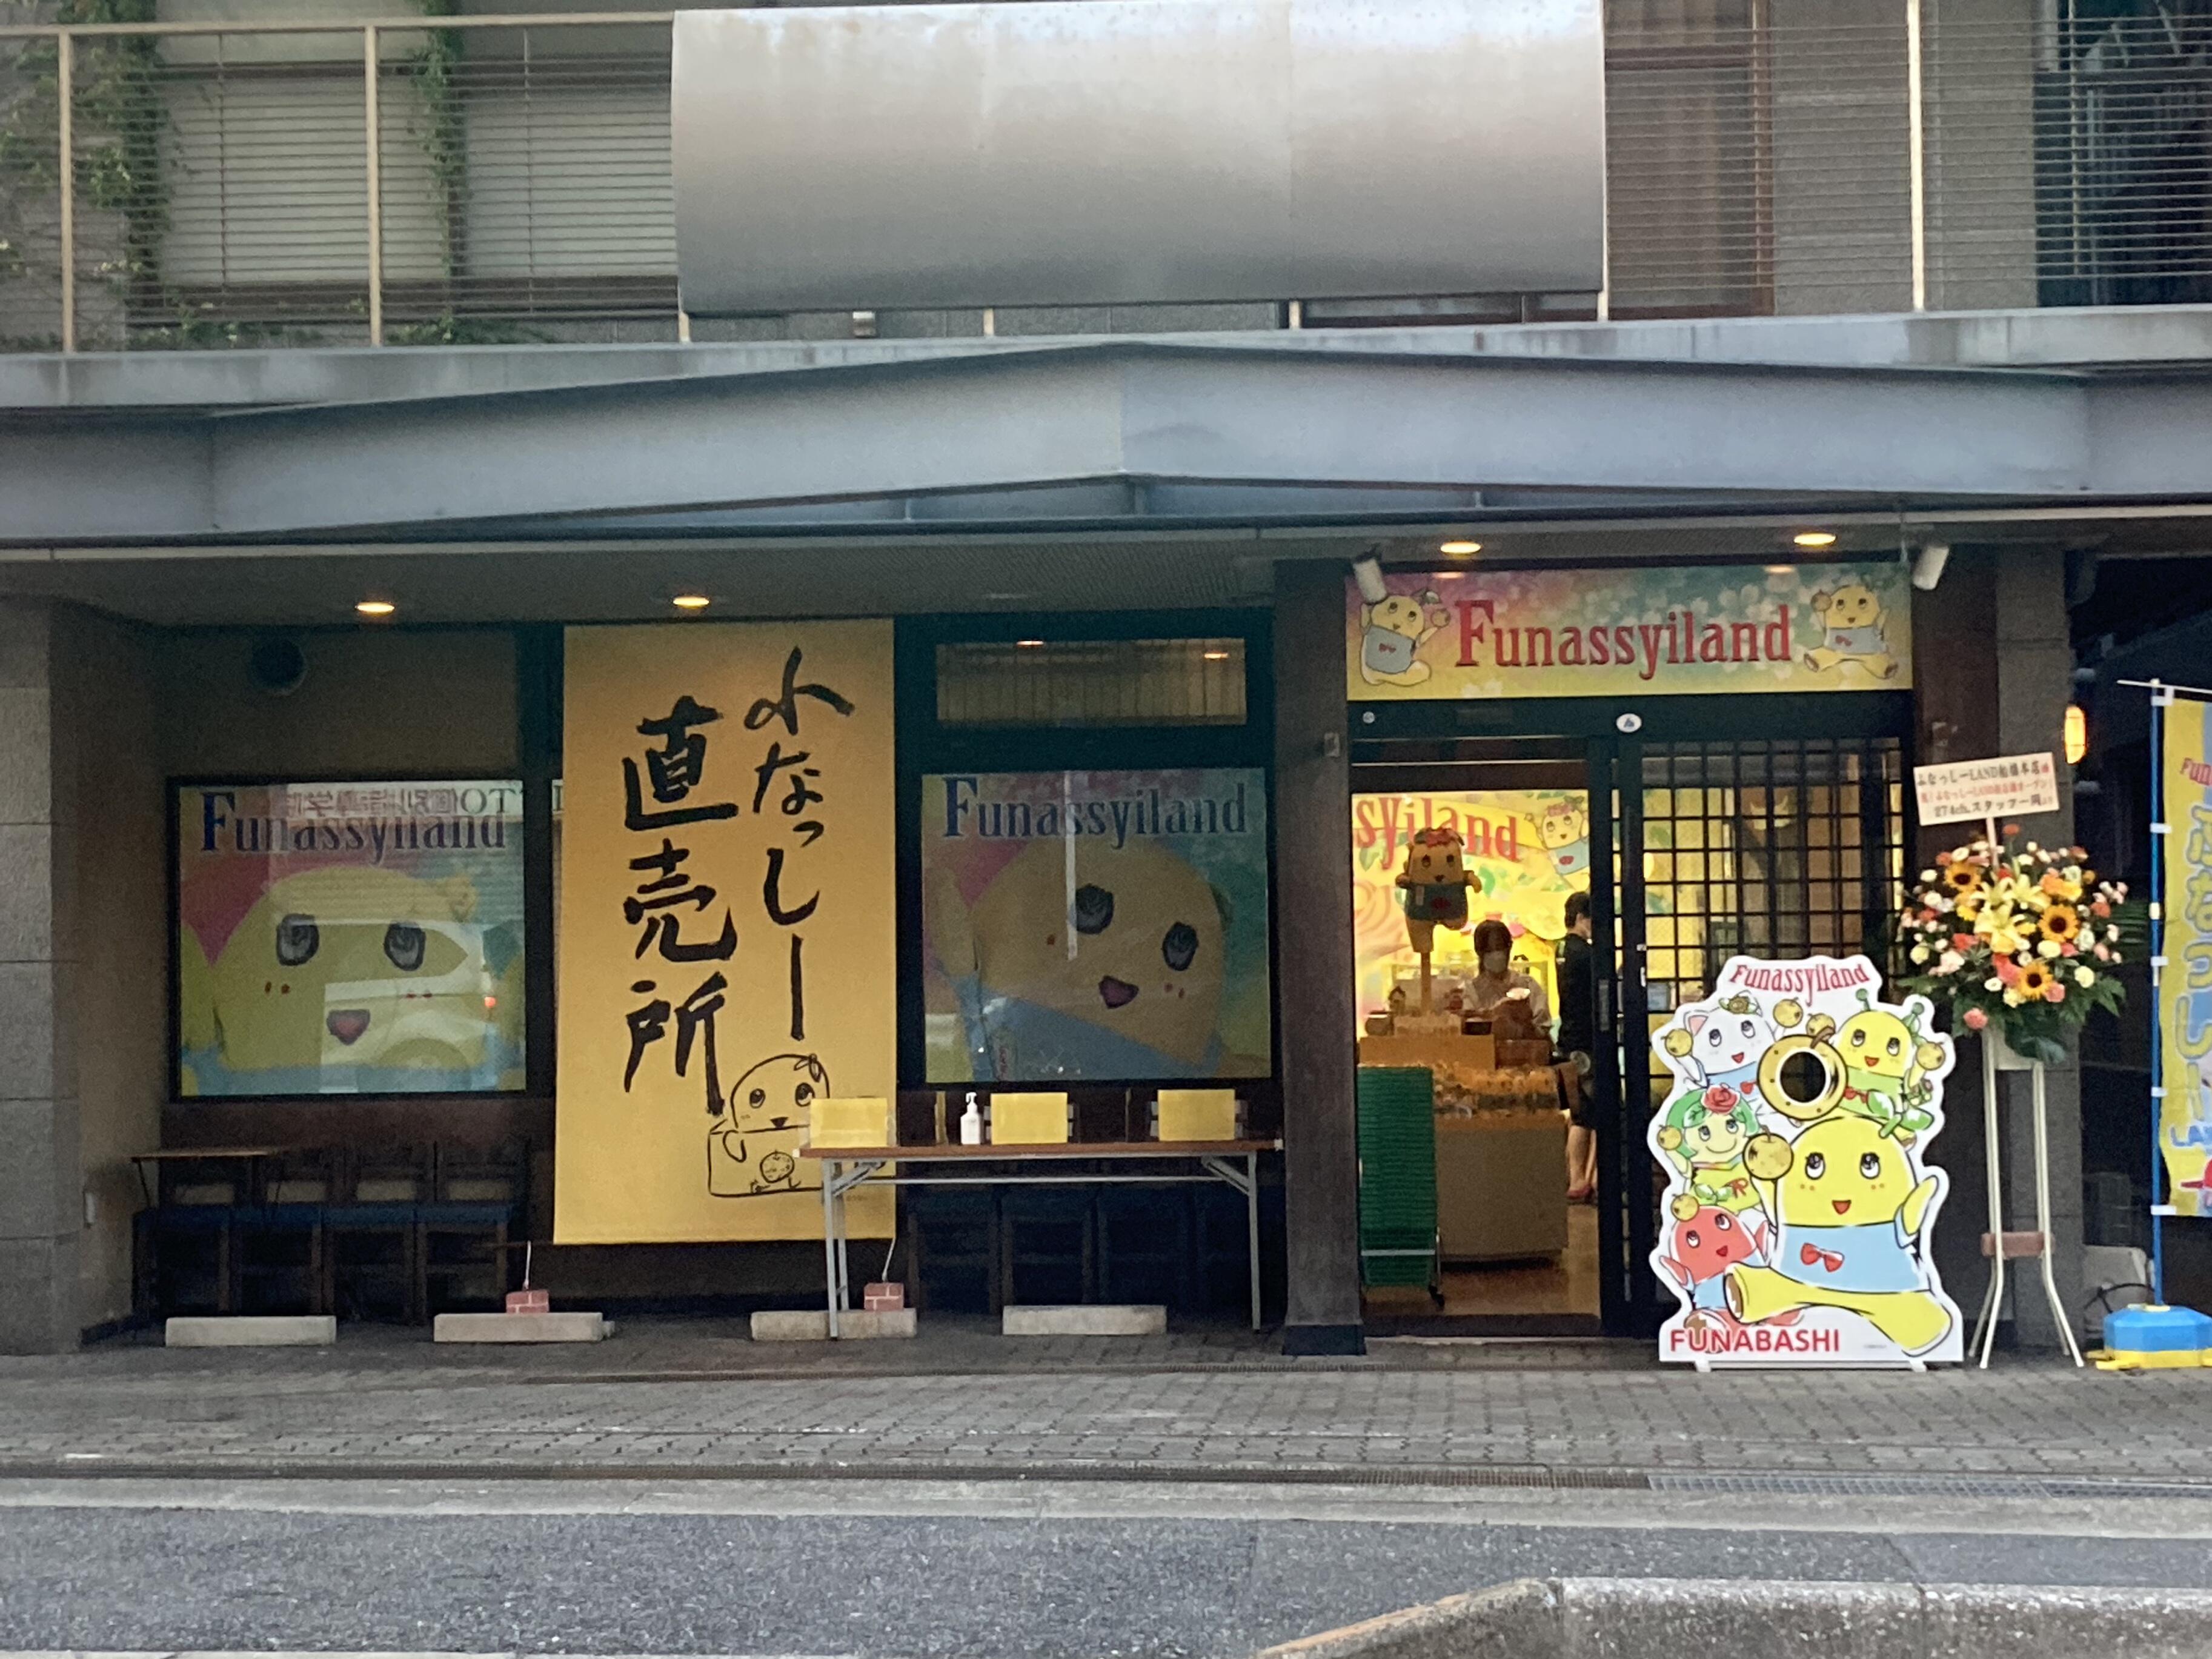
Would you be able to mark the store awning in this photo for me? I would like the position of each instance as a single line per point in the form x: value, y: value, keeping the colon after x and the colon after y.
x: 1113, y: 432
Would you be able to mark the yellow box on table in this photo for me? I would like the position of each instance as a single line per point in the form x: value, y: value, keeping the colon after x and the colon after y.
x: 1029, y: 1120
x: 1198, y: 1115
x: 851, y: 1120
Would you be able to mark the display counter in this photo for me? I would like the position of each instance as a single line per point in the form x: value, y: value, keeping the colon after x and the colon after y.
x: 1501, y: 1146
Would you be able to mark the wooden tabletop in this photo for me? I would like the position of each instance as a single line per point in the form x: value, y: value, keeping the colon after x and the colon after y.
x: 1011, y: 1150
x: 203, y: 1154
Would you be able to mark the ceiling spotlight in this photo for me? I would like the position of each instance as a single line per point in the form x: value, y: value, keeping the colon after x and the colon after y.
x: 1460, y: 550
x: 1814, y: 538
x: 1215, y: 656
x: 375, y: 607
x: 1029, y: 645
x: 690, y: 601
x: 1781, y: 570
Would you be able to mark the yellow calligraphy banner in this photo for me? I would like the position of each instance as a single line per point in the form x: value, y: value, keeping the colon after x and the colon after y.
x: 727, y: 918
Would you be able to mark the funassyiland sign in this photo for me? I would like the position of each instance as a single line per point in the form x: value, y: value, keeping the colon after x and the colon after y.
x: 727, y: 938
x: 1646, y: 632
x: 1796, y: 1225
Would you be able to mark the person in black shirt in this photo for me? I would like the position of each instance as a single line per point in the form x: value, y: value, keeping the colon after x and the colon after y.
x: 1578, y: 1041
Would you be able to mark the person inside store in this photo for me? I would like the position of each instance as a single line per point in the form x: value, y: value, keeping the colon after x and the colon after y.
x: 1577, y: 1045
x: 1496, y: 983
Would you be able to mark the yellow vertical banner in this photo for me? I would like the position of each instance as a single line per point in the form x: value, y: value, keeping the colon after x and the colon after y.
x: 2184, y: 1128
x: 727, y: 911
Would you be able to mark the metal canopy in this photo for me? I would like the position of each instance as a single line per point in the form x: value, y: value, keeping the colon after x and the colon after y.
x: 1130, y: 432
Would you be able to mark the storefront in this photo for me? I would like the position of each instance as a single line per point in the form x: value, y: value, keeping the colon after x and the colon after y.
x: 1713, y: 759
x: 745, y: 868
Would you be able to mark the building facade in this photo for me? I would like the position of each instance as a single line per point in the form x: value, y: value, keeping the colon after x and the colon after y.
x: 457, y: 500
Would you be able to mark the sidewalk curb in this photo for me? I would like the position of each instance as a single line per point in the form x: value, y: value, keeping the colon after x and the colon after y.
x: 1711, y: 1618
x: 1468, y: 1477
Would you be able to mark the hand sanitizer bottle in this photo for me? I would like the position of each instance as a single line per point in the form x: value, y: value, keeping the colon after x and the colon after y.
x: 971, y: 1123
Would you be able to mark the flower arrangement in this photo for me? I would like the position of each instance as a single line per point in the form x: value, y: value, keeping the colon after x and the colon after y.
x: 2028, y: 940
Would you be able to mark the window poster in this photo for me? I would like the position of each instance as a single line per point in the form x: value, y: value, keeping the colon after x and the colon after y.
x: 1526, y: 850
x: 727, y: 930
x: 1801, y: 1196
x: 349, y: 937
x: 1104, y: 926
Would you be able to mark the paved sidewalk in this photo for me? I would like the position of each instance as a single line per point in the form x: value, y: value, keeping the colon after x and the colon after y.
x: 694, y: 1397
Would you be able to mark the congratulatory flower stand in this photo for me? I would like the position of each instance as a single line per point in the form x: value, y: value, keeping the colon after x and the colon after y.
x: 2022, y: 945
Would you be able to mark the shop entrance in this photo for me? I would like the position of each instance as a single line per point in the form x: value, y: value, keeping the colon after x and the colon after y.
x: 1690, y: 849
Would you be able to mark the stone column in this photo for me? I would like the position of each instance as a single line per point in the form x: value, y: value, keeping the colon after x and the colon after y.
x: 1993, y: 665
x: 40, y: 1193
x: 2035, y: 682
x: 1314, y: 960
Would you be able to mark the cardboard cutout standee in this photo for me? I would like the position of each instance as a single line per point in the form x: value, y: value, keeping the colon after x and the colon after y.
x: 1795, y: 1227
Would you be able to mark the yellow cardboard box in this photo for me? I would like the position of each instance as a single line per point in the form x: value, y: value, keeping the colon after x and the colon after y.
x: 858, y: 1120
x: 1029, y: 1120
x: 1198, y: 1115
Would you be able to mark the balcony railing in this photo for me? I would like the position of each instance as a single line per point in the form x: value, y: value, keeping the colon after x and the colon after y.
x: 489, y: 178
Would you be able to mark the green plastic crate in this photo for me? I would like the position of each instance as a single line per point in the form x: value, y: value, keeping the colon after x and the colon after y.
x: 1397, y: 1175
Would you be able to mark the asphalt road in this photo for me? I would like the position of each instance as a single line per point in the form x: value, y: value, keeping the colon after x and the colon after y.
x: 864, y: 1569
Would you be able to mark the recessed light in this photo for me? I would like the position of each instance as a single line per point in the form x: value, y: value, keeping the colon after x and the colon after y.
x: 1781, y: 570
x: 1460, y: 550
x: 690, y: 601
x: 1216, y: 656
x: 1814, y: 538
x: 375, y: 607
x: 1029, y: 645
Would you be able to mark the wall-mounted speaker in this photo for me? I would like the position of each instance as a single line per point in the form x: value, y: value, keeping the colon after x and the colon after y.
x: 276, y: 665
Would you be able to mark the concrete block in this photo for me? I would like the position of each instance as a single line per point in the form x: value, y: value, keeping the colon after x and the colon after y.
x: 1103, y: 1319
x: 518, y: 1328
x: 797, y: 1326
x: 26, y: 642
x: 1516, y: 1620
x: 26, y: 757
x: 1969, y: 1621
x: 1707, y: 1618
x: 40, y: 1179
x: 39, y: 1294
x: 252, y: 1331
x: 27, y: 892
x: 1677, y: 1619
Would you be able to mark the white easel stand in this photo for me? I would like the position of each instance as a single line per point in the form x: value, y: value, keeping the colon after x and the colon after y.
x: 1985, y: 1331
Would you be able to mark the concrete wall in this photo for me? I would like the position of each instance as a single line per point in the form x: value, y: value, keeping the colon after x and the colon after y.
x: 376, y: 701
x: 94, y: 716
x: 39, y: 1202
x: 1842, y: 178
x: 1979, y: 98
x: 106, y: 695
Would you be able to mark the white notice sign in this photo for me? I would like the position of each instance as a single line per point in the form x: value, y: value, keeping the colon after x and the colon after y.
x: 2010, y: 785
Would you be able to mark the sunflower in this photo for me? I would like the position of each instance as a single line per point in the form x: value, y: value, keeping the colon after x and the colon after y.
x: 1962, y: 878
x: 2060, y: 923
x: 2035, y: 980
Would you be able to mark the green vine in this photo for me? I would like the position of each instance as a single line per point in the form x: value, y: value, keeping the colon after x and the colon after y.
x: 120, y: 121
x: 434, y: 70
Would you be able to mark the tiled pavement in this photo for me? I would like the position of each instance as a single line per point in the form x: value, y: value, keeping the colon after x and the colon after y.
x: 697, y: 1399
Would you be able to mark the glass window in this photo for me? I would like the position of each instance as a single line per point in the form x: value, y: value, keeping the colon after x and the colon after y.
x: 1092, y: 683
x: 349, y: 937
x: 1104, y: 926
